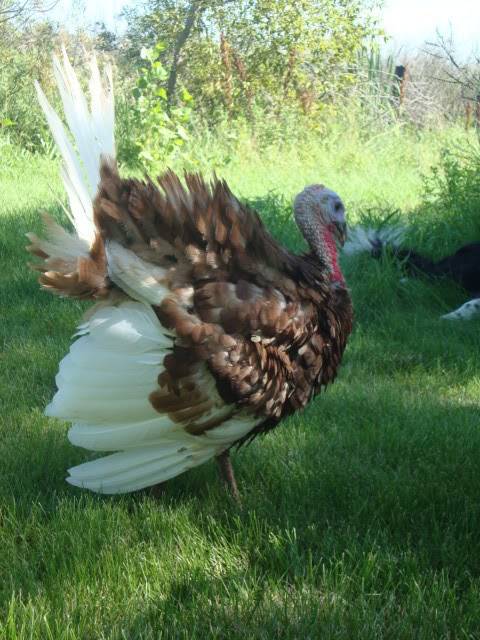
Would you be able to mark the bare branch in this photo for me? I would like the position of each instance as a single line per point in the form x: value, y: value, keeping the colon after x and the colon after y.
x: 23, y: 10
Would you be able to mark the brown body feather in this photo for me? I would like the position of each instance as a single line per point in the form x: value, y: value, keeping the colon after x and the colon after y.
x: 270, y: 326
x: 205, y: 330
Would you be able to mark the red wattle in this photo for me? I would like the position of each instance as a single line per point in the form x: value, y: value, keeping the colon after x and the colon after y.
x: 331, y: 247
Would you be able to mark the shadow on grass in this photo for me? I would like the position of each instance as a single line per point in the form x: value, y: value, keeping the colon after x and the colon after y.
x: 365, y: 465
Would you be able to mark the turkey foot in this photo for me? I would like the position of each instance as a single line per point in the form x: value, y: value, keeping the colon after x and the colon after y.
x: 227, y: 474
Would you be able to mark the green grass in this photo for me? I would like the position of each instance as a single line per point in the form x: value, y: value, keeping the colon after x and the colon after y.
x: 360, y: 517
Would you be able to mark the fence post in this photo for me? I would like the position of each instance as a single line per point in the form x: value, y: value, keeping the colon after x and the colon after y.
x: 401, y: 77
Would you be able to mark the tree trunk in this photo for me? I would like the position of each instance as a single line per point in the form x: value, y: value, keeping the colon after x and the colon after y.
x: 195, y: 8
x: 225, y: 55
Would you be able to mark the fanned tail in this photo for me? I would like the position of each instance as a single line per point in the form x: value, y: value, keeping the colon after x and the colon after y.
x: 74, y: 264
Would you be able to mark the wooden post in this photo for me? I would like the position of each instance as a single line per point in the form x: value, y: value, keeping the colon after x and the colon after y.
x: 401, y: 77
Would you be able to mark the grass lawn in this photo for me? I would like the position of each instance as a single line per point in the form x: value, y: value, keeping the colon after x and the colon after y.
x: 360, y: 517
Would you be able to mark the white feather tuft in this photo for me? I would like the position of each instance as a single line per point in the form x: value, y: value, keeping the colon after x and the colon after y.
x: 59, y: 243
x: 363, y: 239
x: 92, y: 131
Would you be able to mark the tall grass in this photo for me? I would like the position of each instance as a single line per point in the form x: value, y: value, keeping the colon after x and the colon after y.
x: 360, y: 516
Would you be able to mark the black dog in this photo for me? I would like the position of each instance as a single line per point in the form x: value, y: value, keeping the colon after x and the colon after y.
x: 463, y: 266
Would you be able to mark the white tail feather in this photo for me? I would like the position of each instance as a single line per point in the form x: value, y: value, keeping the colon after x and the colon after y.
x: 138, y: 468
x: 103, y: 387
x: 93, y: 134
x: 59, y: 242
x: 95, y: 378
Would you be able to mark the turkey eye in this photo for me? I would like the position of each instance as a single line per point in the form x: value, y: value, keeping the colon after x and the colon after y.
x: 338, y: 206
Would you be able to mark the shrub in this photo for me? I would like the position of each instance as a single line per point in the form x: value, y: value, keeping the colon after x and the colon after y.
x: 451, y: 211
x: 157, y: 131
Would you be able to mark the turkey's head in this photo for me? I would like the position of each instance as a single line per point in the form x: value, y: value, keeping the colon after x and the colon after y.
x: 317, y: 208
x: 320, y: 215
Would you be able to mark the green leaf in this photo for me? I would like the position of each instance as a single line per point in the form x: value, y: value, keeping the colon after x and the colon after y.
x: 146, y: 155
x: 186, y: 95
x: 182, y: 132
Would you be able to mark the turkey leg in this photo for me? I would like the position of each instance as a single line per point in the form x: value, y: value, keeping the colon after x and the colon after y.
x: 227, y: 475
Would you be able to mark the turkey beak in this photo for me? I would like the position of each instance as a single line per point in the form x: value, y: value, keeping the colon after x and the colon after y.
x: 340, y: 232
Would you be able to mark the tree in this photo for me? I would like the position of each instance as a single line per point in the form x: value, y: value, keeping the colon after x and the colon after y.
x: 268, y: 52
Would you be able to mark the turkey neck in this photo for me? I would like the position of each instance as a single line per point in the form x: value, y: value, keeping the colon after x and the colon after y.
x: 322, y: 243
x: 331, y: 256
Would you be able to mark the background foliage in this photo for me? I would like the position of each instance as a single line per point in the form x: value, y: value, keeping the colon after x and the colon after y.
x: 272, y: 71
x: 256, y: 63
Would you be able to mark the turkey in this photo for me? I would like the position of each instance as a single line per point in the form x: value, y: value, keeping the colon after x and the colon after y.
x: 205, y: 332
x: 463, y: 266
